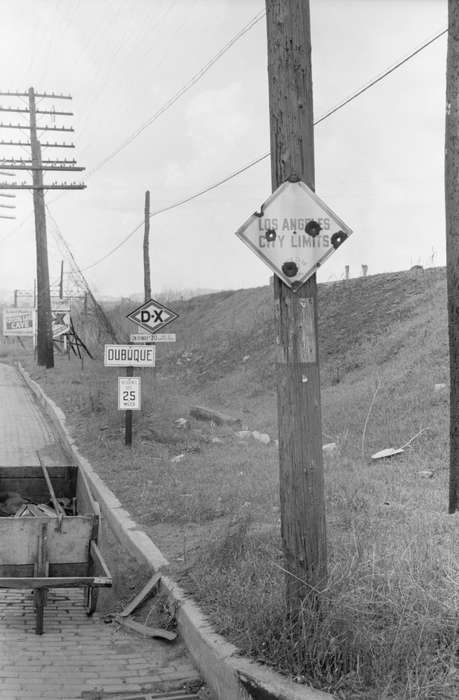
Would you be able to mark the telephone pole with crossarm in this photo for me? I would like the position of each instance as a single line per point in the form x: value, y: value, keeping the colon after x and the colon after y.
x: 37, y: 166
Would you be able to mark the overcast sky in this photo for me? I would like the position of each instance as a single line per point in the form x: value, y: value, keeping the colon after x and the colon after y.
x: 379, y: 160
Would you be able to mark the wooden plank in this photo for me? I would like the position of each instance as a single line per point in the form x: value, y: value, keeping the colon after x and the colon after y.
x: 20, y: 472
x: 18, y: 539
x: 54, y: 581
x: 203, y: 413
x: 144, y: 630
x: 57, y: 570
x: 98, y: 560
x: 85, y: 502
x: 149, y: 587
x: 29, y: 482
x: 57, y: 507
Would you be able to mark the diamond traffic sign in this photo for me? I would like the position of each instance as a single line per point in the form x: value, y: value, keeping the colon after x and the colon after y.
x: 152, y: 316
x: 294, y: 233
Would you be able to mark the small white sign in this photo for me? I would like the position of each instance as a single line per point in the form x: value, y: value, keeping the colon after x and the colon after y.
x: 129, y: 393
x: 23, y: 298
x: 294, y: 233
x: 153, y: 338
x: 129, y: 356
x: 58, y: 304
x: 60, y: 322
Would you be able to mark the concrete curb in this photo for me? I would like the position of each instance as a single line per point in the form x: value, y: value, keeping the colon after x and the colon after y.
x: 229, y: 675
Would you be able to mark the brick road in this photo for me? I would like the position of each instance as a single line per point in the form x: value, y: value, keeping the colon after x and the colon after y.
x: 76, y: 656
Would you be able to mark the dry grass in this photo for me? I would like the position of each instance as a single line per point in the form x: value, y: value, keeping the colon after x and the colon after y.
x: 388, y: 627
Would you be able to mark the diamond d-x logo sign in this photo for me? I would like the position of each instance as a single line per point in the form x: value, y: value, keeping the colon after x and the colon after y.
x: 152, y: 316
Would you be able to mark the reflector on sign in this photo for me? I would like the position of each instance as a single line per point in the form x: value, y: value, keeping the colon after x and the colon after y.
x: 294, y: 233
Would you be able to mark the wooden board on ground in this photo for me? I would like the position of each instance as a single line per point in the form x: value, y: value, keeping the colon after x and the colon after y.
x: 203, y: 413
x: 144, y: 630
x: 149, y: 587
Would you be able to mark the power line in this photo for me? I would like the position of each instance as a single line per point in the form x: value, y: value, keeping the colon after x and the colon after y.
x: 254, y: 162
x: 179, y: 204
x: 98, y: 308
x: 173, y: 99
x: 383, y: 75
x: 182, y: 91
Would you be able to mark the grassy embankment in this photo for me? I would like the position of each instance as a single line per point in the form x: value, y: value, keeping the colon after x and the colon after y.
x: 388, y: 627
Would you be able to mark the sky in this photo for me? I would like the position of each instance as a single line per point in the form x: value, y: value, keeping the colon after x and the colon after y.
x: 379, y: 160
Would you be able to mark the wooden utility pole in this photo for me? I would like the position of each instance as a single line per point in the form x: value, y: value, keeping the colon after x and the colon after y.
x: 452, y: 240
x: 45, y: 351
x: 37, y: 166
x: 146, y: 249
x: 298, y: 381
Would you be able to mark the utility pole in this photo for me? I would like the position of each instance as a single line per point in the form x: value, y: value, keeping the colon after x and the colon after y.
x: 452, y: 241
x: 298, y: 383
x: 146, y: 249
x: 36, y: 165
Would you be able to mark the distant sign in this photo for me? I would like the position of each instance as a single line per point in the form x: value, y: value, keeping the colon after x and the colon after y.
x: 152, y: 316
x: 129, y: 356
x: 129, y: 393
x: 23, y: 298
x: 294, y: 233
x: 18, y: 322
x: 153, y: 338
x: 58, y: 304
x: 60, y: 322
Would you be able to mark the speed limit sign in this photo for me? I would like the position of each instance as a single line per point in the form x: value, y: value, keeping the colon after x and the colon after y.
x: 129, y: 393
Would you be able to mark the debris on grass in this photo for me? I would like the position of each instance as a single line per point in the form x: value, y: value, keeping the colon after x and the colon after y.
x: 330, y: 448
x: 391, y: 452
x: 388, y: 452
x: 439, y: 387
x: 426, y: 474
x: 261, y: 437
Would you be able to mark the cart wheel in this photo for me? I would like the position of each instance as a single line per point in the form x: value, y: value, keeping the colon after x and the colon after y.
x: 40, y: 601
x: 91, y: 595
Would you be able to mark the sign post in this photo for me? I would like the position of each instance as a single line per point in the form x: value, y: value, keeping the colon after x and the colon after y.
x: 129, y: 356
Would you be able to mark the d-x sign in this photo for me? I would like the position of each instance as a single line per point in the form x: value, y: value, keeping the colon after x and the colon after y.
x: 152, y: 316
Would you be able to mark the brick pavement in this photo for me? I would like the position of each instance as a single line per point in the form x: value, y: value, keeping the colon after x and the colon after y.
x: 23, y: 429
x: 76, y: 656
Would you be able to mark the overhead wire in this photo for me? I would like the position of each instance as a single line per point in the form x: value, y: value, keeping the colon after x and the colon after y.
x: 255, y: 161
x: 71, y: 258
x: 168, y: 104
x: 173, y: 99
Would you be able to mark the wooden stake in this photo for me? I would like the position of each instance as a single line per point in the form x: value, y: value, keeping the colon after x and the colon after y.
x: 61, y: 281
x: 128, y: 415
x: 146, y: 249
x: 298, y: 381
x: 452, y: 241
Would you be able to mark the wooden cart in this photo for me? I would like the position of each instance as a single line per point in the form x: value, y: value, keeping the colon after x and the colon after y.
x: 52, y: 552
